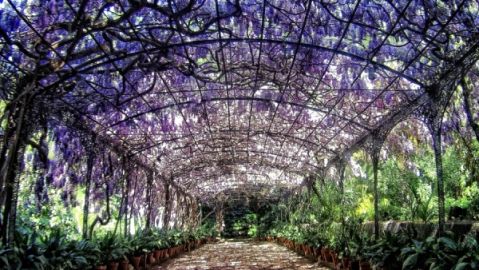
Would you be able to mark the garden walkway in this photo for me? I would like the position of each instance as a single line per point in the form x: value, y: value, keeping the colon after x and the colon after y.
x: 240, y: 254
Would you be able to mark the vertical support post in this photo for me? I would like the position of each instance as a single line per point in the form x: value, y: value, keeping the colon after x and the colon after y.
x: 436, y: 142
x: 433, y: 113
x: 184, y: 205
x: 199, y: 213
x: 434, y: 124
x: 219, y: 215
x: 86, y: 203
x: 341, y: 167
x: 177, y: 208
x: 166, y: 217
x: 375, y: 160
x: 377, y: 141
x: 149, y: 186
x: 8, y: 181
x: 125, y: 209
x: 130, y: 217
x: 13, y: 200
x: 122, y: 201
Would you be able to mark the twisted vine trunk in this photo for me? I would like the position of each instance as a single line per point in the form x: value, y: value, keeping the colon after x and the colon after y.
x: 15, y: 141
x: 98, y: 219
x: 86, y: 205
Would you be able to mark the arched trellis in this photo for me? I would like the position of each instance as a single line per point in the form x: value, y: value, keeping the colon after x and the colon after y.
x: 100, y: 69
x: 431, y: 107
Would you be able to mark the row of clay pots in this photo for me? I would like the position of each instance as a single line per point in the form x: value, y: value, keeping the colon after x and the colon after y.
x: 323, y: 254
x: 155, y: 257
x: 122, y: 265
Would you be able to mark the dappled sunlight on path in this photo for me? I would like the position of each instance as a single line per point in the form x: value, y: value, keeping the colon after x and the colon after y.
x: 240, y: 254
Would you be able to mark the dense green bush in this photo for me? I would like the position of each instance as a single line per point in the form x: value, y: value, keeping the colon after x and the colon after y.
x: 55, y: 250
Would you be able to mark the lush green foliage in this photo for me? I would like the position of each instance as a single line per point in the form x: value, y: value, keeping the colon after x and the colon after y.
x: 55, y: 250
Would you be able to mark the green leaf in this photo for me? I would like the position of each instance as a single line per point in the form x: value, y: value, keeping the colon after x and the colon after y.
x: 461, y: 266
x: 449, y: 243
x: 410, y: 262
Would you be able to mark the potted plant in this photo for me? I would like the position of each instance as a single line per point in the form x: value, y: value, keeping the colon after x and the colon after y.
x: 112, y: 250
x: 125, y: 246
x: 385, y: 252
x: 90, y: 252
x: 149, y: 245
x: 52, y: 250
x: 158, y: 246
x: 137, y: 249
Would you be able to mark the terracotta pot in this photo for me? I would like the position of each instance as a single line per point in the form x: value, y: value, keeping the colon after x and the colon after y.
x: 354, y: 265
x: 135, y: 261
x: 143, y: 261
x: 325, y: 254
x: 157, y: 255
x: 113, y: 265
x: 309, y: 251
x: 364, y: 265
x: 346, y: 263
x: 100, y: 267
x: 304, y: 249
x: 124, y: 265
x: 334, y: 258
x: 150, y: 259
x: 189, y: 246
x: 165, y: 254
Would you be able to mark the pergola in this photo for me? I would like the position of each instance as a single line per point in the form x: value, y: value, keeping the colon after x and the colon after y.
x: 211, y: 100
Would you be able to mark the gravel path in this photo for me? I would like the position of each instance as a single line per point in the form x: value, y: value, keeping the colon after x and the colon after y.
x: 240, y: 254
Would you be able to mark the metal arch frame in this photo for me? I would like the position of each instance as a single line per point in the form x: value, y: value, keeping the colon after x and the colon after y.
x: 187, y: 103
x: 204, y: 165
x: 401, y: 74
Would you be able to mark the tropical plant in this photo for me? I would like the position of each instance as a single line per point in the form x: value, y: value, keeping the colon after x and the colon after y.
x: 469, y: 258
x: 442, y: 253
x: 385, y: 252
x: 137, y: 244
x: 89, y: 250
x: 112, y: 247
